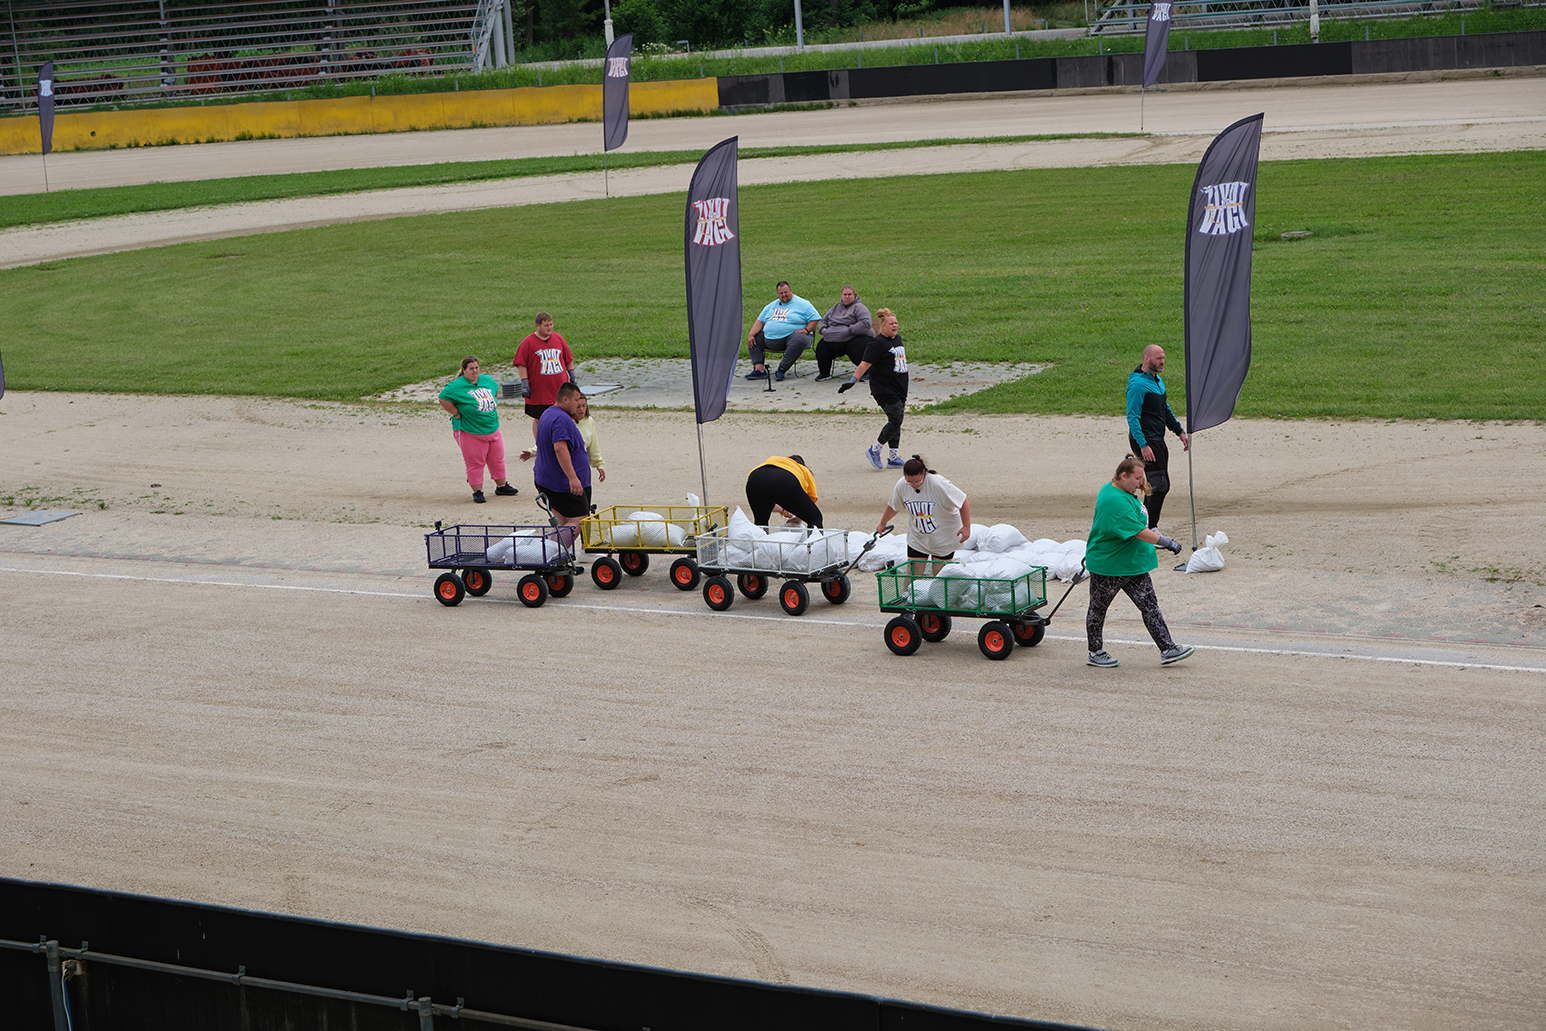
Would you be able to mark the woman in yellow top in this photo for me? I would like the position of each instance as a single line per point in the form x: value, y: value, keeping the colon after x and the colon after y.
x: 783, y: 483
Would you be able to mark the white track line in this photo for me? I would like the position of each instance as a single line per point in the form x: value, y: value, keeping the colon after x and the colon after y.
x: 591, y: 607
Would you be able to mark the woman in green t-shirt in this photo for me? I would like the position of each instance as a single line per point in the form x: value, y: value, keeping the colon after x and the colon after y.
x: 472, y: 399
x: 1119, y: 555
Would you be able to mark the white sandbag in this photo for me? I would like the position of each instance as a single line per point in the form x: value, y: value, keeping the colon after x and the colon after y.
x: 928, y: 592
x: 676, y: 535
x: 970, y: 544
x: 961, y: 589
x: 769, y: 552
x: 742, y: 528
x: 1045, y: 544
x: 498, y: 553
x: 1208, y: 558
x: 625, y: 535
x: 1000, y: 537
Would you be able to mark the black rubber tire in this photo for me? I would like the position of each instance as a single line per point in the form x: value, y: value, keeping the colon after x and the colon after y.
x: 606, y: 573
x: 684, y: 574
x: 838, y: 589
x: 533, y: 591
x: 751, y: 585
x: 717, y: 593
x: 477, y: 582
x: 902, y: 636
x: 560, y: 584
x: 794, y: 597
x: 995, y: 640
x: 1028, y: 635
x: 449, y: 589
x: 934, y: 626
x: 634, y: 563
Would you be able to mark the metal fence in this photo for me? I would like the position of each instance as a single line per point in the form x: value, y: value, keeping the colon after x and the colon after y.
x: 159, y: 49
x: 1126, y: 17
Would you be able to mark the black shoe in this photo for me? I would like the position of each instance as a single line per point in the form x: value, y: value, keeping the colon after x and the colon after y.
x: 822, y: 377
x: 757, y: 374
x: 504, y: 490
x: 478, y: 497
x: 778, y: 374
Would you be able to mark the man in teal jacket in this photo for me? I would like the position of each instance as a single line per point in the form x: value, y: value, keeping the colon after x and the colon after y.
x: 1148, y: 416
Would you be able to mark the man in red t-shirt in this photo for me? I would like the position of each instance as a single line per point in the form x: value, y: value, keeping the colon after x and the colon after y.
x: 544, y: 364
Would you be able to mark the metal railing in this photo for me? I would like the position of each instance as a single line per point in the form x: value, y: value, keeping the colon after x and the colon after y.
x: 65, y: 964
x: 1128, y: 17
x: 153, y: 49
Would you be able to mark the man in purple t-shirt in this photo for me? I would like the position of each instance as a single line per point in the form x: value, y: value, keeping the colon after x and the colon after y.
x: 562, y: 471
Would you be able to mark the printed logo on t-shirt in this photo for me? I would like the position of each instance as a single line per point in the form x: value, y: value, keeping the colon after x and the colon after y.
x: 923, y: 515
x: 552, y: 361
x: 779, y: 315
x: 485, y: 398
x: 899, y: 358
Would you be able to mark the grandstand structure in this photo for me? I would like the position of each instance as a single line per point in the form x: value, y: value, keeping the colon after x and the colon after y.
x: 155, y: 49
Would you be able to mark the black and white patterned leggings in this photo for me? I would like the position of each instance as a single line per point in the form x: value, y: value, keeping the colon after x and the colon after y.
x: 1104, y: 589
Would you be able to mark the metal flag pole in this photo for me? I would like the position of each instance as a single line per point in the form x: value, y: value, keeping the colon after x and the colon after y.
x: 1192, y: 493
x: 1143, y: 93
x: 703, y: 469
x: 45, y: 173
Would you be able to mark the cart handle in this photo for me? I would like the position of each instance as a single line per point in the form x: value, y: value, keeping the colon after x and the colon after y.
x: 1078, y: 579
x: 877, y: 535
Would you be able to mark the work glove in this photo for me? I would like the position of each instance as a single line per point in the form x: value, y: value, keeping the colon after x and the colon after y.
x: 525, y: 388
x: 847, y: 386
x: 1169, y: 545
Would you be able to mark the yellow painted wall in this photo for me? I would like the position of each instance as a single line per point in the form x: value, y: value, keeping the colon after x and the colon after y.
x: 349, y: 115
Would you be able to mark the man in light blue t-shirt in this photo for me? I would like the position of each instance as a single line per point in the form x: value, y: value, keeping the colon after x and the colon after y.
x: 788, y: 325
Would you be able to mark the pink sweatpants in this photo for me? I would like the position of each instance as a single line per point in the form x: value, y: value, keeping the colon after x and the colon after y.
x: 478, y: 451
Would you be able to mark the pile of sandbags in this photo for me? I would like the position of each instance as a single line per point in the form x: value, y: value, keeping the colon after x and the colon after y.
x: 534, y: 547
x: 647, y: 530
x: 785, y: 550
x: 985, y: 544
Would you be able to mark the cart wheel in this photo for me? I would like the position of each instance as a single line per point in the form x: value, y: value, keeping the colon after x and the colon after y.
x: 902, y: 636
x: 449, y: 589
x: 794, y: 597
x: 994, y: 640
x: 560, y: 584
x: 752, y: 585
x: 478, y: 582
x: 838, y: 589
x: 634, y: 562
x: 684, y: 574
x: 606, y: 573
x: 1028, y: 634
x: 717, y: 593
x: 533, y: 590
x: 933, y: 626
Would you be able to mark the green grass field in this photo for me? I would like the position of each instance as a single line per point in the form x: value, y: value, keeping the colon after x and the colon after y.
x: 1422, y: 293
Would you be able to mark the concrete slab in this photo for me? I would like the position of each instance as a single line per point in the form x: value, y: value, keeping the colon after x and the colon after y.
x: 38, y: 518
x: 667, y: 384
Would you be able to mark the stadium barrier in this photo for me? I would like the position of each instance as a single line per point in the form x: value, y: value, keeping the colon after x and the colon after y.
x: 465, y: 109
x: 544, y: 105
x: 89, y: 959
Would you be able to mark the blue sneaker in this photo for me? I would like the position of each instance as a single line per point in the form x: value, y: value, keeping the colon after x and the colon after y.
x: 873, y: 454
x: 895, y: 461
x: 778, y: 374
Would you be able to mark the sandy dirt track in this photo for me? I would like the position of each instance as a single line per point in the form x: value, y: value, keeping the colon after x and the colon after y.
x: 234, y: 686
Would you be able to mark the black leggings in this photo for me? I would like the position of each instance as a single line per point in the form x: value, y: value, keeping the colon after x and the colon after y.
x: 1103, y: 589
x: 1158, y: 474
x: 768, y: 485
x: 895, y: 409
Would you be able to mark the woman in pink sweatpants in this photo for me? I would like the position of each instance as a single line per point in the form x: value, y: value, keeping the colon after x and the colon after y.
x: 472, y: 400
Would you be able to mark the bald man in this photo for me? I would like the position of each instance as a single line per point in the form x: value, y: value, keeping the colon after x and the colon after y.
x: 1148, y: 416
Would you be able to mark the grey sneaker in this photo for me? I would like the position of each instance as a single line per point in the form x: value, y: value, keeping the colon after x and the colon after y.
x: 1173, y: 655
x: 873, y: 454
x: 1102, y: 659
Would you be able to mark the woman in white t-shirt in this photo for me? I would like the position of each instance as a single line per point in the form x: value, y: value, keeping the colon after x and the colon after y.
x: 940, y: 517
